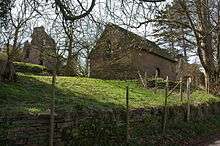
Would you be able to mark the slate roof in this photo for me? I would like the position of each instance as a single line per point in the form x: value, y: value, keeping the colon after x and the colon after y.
x: 145, y: 43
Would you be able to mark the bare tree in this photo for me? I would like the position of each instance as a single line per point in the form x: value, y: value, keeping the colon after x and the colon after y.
x: 18, y: 18
x: 18, y: 22
x: 67, y: 9
x: 201, y: 18
x: 72, y: 60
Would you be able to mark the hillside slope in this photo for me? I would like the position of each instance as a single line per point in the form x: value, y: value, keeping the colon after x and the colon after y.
x: 32, y: 94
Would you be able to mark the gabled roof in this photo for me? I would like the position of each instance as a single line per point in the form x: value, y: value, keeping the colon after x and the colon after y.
x: 145, y: 43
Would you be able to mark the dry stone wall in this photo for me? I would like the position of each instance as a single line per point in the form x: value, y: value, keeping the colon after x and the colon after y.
x: 88, y: 127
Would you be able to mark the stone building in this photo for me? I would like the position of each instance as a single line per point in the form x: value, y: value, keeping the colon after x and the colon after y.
x: 41, y: 49
x: 121, y: 54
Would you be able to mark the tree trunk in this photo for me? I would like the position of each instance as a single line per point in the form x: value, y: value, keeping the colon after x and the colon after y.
x: 71, y: 65
x: 69, y: 57
x: 218, y: 47
x: 184, y: 45
x: 205, y: 40
x: 13, y: 53
x: 87, y: 67
x: 87, y: 71
x: 7, y: 72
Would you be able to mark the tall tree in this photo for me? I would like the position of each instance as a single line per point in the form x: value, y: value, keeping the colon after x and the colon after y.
x: 18, y: 23
x: 17, y: 18
x: 174, y: 36
x: 201, y: 20
x: 72, y: 55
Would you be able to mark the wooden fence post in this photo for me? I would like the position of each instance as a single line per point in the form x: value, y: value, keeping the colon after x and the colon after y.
x: 181, y: 88
x: 208, y: 85
x: 145, y: 78
x: 188, y: 99
x: 156, y: 76
x: 165, y: 107
x: 141, y: 78
x: 52, y: 112
x: 127, y: 115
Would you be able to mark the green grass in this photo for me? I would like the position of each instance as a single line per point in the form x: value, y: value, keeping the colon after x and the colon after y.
x: 32, y: 94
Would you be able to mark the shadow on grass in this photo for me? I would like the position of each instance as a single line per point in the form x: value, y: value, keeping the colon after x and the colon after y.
x: 33, y: 95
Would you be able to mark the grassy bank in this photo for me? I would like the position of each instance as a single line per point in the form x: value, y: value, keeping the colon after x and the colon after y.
x: 32, y: 93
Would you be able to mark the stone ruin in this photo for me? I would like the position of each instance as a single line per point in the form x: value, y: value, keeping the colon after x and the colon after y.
x: 41, y: 49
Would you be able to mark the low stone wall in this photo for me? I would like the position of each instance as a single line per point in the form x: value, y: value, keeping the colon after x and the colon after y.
x: 88, y: 127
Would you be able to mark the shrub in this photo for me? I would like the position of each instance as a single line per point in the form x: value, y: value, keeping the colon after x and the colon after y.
x: 30, y: 68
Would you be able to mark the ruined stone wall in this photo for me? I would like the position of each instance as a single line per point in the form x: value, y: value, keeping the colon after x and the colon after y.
x: 88, y: 127
x: 33, y: 57
x: 40, y: 49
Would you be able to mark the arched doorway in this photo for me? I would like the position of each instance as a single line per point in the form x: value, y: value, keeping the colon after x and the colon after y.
x: 157, y: 72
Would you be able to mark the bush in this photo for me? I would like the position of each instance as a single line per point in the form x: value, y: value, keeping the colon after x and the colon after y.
x: 30, y: 68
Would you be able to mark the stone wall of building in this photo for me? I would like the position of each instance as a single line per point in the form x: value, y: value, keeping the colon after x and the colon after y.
x: 120, y: 54
x: 111, y: 58
x: 150, y: 63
